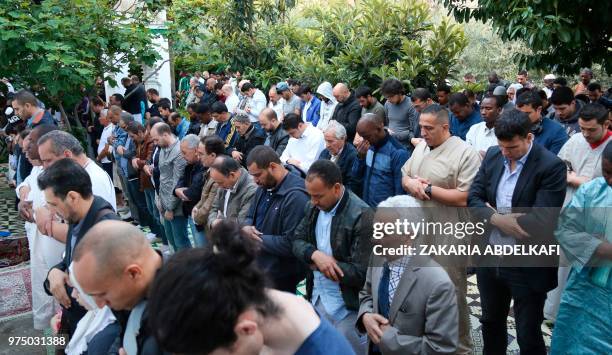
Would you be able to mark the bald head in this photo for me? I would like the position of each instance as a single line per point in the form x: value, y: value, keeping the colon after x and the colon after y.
x: 115, y: 264
x: 373, y: 119
x: 227, y: 90
x: 371, y: 128
x: 341, y: 92
x: 114, y: 244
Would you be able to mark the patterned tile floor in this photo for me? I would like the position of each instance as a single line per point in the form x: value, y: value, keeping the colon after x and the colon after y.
x: 10, y: 221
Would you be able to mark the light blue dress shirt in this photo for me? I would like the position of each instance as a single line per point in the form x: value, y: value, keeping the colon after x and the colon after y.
x: 325, y: 289
x: 503, y: 198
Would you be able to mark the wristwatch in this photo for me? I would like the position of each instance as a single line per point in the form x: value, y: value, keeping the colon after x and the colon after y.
x: 428, y: 190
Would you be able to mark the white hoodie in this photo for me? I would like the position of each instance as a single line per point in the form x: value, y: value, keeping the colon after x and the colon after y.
x: 327, y: 109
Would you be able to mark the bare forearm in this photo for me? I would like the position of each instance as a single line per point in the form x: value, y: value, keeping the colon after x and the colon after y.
x: 59, y: 231
x: 449, y: 197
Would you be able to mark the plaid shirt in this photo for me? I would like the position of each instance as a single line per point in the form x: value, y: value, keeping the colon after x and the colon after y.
x: 396, y: 270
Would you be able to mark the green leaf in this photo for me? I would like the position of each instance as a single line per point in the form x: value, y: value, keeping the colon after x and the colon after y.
x: 564, y: 35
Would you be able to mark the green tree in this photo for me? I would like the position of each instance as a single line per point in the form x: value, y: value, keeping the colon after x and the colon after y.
x: 59, y: 47
x: 561, y: 36
x: 361, y: 44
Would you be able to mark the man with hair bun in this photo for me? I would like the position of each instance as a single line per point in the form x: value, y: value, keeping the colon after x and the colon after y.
x: 243, y: 315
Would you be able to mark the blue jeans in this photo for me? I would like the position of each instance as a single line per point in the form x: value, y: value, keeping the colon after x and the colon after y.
x: 139, y: 201
x: 198, y: 236
x: 176, y: 231
x: 154, y: 212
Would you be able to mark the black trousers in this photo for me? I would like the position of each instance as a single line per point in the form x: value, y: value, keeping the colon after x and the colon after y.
x: 108, y: 167
x: 497, y: 287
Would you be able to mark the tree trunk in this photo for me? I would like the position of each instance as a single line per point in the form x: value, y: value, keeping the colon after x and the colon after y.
x: 65, y: 119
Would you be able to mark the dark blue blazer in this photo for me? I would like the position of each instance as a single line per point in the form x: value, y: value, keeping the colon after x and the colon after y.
x: 539, y: 193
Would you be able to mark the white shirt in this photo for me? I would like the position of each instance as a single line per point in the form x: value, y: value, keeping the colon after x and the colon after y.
x: 548, y: 92
x: 306, y: 149
x: 278, y: 108
x: 481, y: 137
x: 101, y: 183
x: 228, y: 194
x: 305, y: 109
x: 107, y: 132
x: 257, y: 103
x: 44, y: 253
x: 231, y: 102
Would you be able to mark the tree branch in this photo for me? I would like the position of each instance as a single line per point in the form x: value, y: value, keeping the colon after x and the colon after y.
x: 148, y: 77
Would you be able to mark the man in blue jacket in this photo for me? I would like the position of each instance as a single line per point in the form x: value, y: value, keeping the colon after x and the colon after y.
x: 463, y: 115
x: 29, y: 109
x: 548, y: 133
x: 277, y: 208
x: 380, y: 158
x: 311, y: 105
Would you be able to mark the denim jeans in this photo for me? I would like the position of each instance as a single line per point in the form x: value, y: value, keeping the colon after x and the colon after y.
x: 176, y: 231
x: 127, y: 195
x: 154, y: 212
x: 137, y: 198
x: 198, y: 236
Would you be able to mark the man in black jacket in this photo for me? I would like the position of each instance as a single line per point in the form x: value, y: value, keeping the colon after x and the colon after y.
x: 189, y: 186
x: 277, y: 208
x: 135, y: 101
x: 250, y: 137
x: 348, y: 111
x: 277, y: 136
x: 519, y: 188
x: 333, y: 239
x: 72, y: 199
x: 343, y: 153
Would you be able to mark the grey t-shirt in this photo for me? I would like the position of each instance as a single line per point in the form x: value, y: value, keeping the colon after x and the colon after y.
x: 402, y: 120
x: 292, y: 105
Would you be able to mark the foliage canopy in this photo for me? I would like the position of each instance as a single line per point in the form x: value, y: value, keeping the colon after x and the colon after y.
x: 59, y: 47
x: 562, y: 36
x: 361, y: 44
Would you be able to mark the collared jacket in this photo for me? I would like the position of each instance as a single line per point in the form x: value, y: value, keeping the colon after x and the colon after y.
x: 171, y: 169
x: 345, y: 162
x: 313, y: 112
x: 209, y: 192
x: 382, y: 170
x: 423, y: 315
x: 144, y: 152
x: 227, y: 132
x: 571, y: 124
x: 351, y: 231
x: 193, y: 180
x: 278, y: 140
x: 239, y: 201
x: 244, y: 144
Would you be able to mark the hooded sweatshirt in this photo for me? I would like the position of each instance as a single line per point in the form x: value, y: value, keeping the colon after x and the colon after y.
x: 327, y: 108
